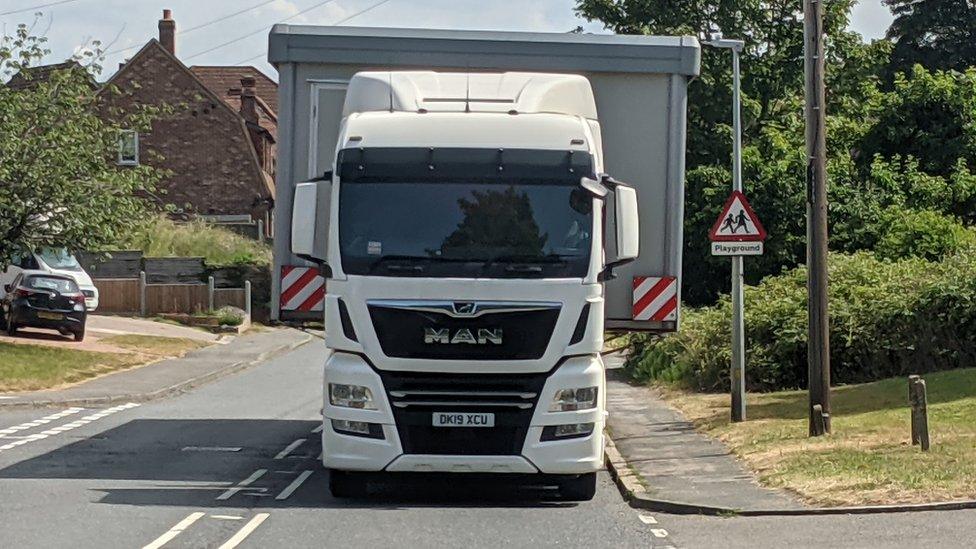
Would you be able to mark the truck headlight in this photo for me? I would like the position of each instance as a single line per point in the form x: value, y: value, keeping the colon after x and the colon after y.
x: 570, y: 400
x: 351, y: 396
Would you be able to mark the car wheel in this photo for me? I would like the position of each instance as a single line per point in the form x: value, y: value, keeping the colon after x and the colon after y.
x: 80, y: 334
x: 579, y: 488
x: 344, y: 484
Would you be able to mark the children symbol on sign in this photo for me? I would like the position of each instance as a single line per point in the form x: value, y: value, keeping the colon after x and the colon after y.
x: 728, y: 224
x: 741, y: 221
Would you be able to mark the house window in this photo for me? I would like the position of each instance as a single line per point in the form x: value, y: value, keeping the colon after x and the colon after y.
x: 128, y: 148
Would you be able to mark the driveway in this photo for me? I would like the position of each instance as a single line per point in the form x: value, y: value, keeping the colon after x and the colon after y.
x: 100, y: 327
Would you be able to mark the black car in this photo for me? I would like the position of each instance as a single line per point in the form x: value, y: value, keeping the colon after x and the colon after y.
x: 43, y: 300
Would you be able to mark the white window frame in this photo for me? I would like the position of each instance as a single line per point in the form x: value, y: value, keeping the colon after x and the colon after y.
x: 315, y: 86
x: 124, y: 134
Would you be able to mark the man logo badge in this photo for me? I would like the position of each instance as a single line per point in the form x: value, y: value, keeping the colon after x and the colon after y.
x: 482, y: 336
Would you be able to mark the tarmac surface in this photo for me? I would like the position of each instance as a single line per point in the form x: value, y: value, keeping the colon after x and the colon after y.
x: 234, y: 463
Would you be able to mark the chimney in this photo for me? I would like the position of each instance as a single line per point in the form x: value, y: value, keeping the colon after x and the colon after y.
x: 249, y: 108
x: 167, y: 32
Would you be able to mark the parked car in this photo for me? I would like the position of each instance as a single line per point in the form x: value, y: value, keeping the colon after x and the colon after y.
x: 56, y: 261
x: 39, y: 299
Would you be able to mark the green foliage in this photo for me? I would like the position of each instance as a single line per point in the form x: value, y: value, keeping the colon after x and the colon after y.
x: 921, y: 233
x: 937, y: 34
x: 930, y: 116
x: 163, y: 237
x: 888, y: 318
x: 60, y: 186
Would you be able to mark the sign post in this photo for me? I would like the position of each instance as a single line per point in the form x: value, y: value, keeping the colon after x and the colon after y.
x: 737, y: 232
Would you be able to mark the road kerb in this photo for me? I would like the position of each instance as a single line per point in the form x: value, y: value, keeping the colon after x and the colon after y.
x: 175, y: 389
x: 634, y: 492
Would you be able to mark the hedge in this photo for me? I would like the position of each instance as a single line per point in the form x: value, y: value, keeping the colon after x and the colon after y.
x: 887, y: 318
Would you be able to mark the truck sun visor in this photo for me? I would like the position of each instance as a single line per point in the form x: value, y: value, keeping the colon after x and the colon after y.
x: 406, y: 163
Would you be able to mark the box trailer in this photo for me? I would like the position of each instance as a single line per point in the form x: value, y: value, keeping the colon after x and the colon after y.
x: 640, y: 87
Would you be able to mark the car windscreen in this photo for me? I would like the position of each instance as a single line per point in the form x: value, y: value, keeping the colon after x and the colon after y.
x: 467, y: 229
x: 59, y: 258
x: 60, y: 285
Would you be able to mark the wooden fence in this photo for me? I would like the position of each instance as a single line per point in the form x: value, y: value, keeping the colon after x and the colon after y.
x: 118, y: 295
x: 134, y: 296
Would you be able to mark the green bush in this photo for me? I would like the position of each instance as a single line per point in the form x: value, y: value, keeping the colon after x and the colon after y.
x: 920, y: 233
x: 218, y: 246
x: 887, y: 318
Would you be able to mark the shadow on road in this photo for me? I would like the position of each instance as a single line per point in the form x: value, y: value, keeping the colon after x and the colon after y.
x: 191, y: 462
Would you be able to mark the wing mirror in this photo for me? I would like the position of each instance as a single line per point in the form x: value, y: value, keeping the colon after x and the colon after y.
x: 626, y: 220
x: 304, y: 217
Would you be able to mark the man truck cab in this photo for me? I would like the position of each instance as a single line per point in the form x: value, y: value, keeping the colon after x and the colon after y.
x: 468, y: 229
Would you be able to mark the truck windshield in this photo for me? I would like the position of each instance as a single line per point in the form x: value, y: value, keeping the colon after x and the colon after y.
x: 465, y: 229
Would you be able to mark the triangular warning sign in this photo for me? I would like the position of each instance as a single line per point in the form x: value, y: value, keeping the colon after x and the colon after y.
x: 737, y: 222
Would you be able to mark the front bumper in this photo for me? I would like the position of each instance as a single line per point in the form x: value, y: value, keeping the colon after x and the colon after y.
x: 521, y: 450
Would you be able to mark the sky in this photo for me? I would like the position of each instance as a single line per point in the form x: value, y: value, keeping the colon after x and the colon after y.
x: 123, y: 26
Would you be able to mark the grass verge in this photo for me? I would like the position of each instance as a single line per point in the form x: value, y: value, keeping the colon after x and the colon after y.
x: 154, y: 346
x: 36, y: 367
x: 869, y: 458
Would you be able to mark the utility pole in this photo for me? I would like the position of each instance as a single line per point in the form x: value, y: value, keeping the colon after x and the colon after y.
x: 818, y: 346
x: 737, y: 373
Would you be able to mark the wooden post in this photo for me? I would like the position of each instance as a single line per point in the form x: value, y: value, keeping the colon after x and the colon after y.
x: 920, y: 419
x: 143, y: 306
x: 912, y: 389
x: 247, y: 299
x: 210, y: 294
x: 818, y: 347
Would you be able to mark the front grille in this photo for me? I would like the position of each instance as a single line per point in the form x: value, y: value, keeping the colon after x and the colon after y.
x: 525, y: 334
x: 416, y: 396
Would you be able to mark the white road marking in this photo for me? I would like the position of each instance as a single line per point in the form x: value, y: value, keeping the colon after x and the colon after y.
x: 38, y: 422
x: 288, y: 449
x: 659, y: 532
x: 174, y: 531
x: 211, y: 449
x: 226, y: 517
x: 290, y: 489
x: 317, y: 429
x: 63, y: 428
x: 245, y: 531
x: 320, y: 455
x: 647, y: 519
x: 242, y: 484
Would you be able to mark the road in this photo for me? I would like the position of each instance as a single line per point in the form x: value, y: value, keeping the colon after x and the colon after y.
x: 234, y: 464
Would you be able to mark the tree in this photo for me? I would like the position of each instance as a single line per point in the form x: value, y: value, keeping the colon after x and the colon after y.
x: 60, y: 185
x: 937, y: 34
x: 772, y: 95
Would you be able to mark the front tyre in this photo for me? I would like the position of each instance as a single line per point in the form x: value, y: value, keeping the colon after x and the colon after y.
x: 344, y: 484
x: 578, y: 488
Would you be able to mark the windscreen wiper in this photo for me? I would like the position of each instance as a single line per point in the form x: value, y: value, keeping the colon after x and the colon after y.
x: 411, y: 261
x: 526, y: 262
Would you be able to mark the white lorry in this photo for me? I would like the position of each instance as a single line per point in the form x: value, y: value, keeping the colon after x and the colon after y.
x: 470, y: 229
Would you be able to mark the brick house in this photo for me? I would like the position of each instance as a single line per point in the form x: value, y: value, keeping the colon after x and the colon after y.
x: 218, y: 145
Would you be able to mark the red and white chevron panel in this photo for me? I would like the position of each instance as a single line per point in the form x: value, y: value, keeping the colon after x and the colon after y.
x: 302, y: 289
x: 655, y: 298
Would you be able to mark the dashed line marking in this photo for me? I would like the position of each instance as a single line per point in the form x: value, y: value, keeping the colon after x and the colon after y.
x: 659, y: 532
x: 226, y: 517
x: 174, y: 531
x: 288, y: 449
x: 290, y: 489
x: 245, y: 531
x: 317, y: 429
x: 211, y: 449
x: 242, y: 484
x: 647, y: 519
x: 38, y: 422
x: 63, y: 428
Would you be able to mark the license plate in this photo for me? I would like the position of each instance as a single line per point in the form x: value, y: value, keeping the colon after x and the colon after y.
x: 50, y: 316
x: 463, y: 419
